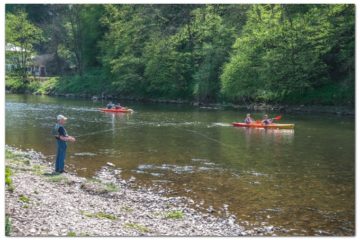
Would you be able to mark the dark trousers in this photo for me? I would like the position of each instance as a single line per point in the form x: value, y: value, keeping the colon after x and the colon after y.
x: 60, y: 155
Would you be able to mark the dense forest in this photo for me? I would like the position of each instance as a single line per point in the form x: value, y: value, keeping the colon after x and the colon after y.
x: 274, y: 53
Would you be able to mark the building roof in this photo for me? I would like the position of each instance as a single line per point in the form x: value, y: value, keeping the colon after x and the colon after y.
x: 12, y: 48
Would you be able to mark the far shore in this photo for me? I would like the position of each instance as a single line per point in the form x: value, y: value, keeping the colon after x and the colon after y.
x: 251, y: 107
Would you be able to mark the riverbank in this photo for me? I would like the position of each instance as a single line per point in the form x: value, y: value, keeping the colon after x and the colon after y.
x: 54, y: 86
x: 254, y: 107
x: 40, y: 203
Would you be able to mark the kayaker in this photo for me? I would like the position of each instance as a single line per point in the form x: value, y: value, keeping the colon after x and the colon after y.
x: 61, y: 137
x: 266, y: 120
x: 110, y: 105
x: 118, y: 106
x: 248, y: 119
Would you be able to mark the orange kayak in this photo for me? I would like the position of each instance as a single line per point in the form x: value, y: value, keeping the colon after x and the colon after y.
x: 114, y: 110
x: 260, y: 125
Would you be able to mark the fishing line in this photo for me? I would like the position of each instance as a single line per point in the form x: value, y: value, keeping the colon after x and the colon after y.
x: 97, y: 132
x: 205, y: 136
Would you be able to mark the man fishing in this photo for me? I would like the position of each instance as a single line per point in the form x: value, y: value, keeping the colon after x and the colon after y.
x: 61, y: 137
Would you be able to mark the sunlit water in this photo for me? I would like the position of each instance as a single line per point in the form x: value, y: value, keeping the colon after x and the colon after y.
x: 302, y: 180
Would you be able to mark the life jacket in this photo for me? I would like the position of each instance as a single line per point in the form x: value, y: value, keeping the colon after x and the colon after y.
x: 247, y: 120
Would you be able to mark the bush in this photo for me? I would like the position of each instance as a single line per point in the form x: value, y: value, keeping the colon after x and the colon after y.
x: 49, y: 86
x: 14, y: 84
x: 91, y: 82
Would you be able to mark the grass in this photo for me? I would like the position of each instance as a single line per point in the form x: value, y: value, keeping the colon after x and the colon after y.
x: 8, y: 173
x: 98, y: 186
x: 127, y: 209
x: 137, y: 227
x: 24, y: 199
x: 111, y: 187
x: 56, y: 178
x: 71, y: 234
x: 100, y: 215
x: 38, y: 169
x: 8, y: 226
x: 11, y: 155
x: 8, y: 179
x: 175, y: 215
x: 94, y: 180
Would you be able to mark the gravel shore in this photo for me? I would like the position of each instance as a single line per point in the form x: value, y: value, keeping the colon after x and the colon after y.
x: 40, y: 203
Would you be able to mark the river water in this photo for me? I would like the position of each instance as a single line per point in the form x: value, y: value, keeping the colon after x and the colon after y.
x: 301, y: 180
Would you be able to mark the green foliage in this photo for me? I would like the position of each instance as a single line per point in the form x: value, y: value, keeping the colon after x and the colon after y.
x: 38, y: 169
x: 24, y: 199
x: 137, y: 227
x: 167, y: 71
x: 49, y: 86
x: 127, y: 209
x: 8, y: 180
x: 21, y: 33
x: 175, y: 215
x: 92, y: 82
x: 71, y: 234
x: 8, y: 173
x: 100, y: 215
x: 303, y: 53
x: 111, y: 187
x: 14, y: 84
x: 127, y: 27
x: 213, y: 42
x: 56, y: 178
x: 8, y: 226
x: 283, y: 52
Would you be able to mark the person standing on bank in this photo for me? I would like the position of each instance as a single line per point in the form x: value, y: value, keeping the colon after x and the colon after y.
x: 61, y: 137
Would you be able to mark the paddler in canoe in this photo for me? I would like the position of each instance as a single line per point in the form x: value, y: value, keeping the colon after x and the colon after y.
x: 118, y: 106
x: 110, y: 105
x: 248, y: 119
x: 266, y: 120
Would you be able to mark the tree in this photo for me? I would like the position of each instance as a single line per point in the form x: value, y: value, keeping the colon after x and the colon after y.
x: 22, y: 34
x: 283, y: 52
x: 212, y: 46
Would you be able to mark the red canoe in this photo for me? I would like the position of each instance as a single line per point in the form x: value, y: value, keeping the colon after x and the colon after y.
x: 260, y: 125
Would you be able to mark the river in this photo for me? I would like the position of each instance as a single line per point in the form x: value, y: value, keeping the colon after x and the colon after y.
x: 302, y: 180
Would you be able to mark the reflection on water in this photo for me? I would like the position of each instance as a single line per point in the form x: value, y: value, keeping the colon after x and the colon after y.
x: 276, y: 136
x: 302, y: 179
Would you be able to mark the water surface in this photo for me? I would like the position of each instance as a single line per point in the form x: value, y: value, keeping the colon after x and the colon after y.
x: 302, y: 180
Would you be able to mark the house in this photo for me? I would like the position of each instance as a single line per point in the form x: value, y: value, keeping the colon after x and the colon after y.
x: 38, y: 64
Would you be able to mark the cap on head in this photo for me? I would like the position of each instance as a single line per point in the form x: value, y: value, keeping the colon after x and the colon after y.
x: 59, y: 117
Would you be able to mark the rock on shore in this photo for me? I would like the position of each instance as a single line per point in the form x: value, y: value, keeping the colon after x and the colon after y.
x: 44, y: 204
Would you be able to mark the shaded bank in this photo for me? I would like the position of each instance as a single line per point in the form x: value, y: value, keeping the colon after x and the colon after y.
x: 52, y: 87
